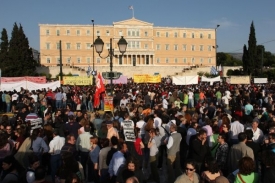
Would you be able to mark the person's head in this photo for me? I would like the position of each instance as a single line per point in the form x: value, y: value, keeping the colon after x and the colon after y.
x: 246, y: 166
x: 222, y: 138
x: 249, y: 134
x: 190, y: 167
x: 255, y: 124
x: 225, y: 127
x: 40, y: 173
x: 242, y: 137
x: 8, y: 129
x: 202, y: 135
x: 114, y: 141
x: 35, y: 134
x: 94, y: 140
x: 104, y: 142
x: 271, y: 138
x: 173, y: 127
x: 33, y: 161
x: 109, y: 124
x: 132, y: 180
x: 72, y: 178
x: 71, y: 139
x: 132, y: 164
x: 87, y: 128
x: 212, y: 165
x: 122, y: 147
x: 9, y: 163
x: 152, y: 132
x: 271, y: 130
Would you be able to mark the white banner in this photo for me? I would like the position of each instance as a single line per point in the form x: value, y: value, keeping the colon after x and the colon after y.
x: 185, y: 80
x: 211, y: 80
x: 29, y: 85
x: 240, y: 80
x: 260, y: 80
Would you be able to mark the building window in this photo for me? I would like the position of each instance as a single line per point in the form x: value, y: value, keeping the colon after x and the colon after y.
x: 98, y: 60
x: 158, y: 61
x: 193, y: 60
x: 184, y: 35
x: 88, y: 32
x: 120, y: 33
x: 107, y: 32
x: 147, y: 60
x: 47, y: 32
x: 146, y: 46
x: 68, y: 46
x: 88, y: 60
x: 201, y: 60
x: 201, y: 35
x: 167, y: 60
x: 108, y: 45
x: 209, y: 36
x: 193, y: 35
x: 209, y: 48
x: 97, y: 33
x: 120, y: 60
x: 193, y: 47
x: 145, y: 33
x: 133, y: 33
x: 68, y: 60
x: 57, y: 60
x: 108, y: 60
x: 57, y: 46
x: 48, y: 60
x: 68, y: 32
x: 167, y: 34
x: 129, y: 44
x: 158, y: 46
x: 201, y: 47
x: 78, y: 32
x: 167, y: 47
x: 184, y: 60
x: 137, y: 44
x: 184, y: 47
x: 129, y: 33
x: 176, y: 34
x: 137, y: 33
x: 78, y: 60
x: 88, y: 46
x: 176, y: 60
x: 176, y: 47
x: 133, y: 44
x: 78, y: 46
x: 58, y: 32
x: 158, y: 35
x: 209, y: 60
x: 48, y: 46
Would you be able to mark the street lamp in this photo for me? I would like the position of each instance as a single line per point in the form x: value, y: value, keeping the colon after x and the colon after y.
x: 93, y: 54
x: 216, y: 46
x: 122, y: 45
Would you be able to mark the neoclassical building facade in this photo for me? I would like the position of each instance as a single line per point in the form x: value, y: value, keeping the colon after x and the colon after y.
x: 148, y: 45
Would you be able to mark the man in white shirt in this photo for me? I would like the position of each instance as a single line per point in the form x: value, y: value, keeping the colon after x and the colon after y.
x: 157, y: 120
x: 190, y: 99
x: 258, y: 135
x: 226, y: 99
x: 34, y: 96
x: 123, y: 101
x: 141, y: 124
x: 56, y: 145
x: 117, y: 161
x: 235, y: 128
x: 165, y: 103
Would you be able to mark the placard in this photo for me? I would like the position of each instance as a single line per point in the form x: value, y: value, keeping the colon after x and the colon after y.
x: 108, y: 103
x: 185, y: 80
x: 77, y: 80
x: 145, y: 78
x: 36, y: 123
x: 128, y: 130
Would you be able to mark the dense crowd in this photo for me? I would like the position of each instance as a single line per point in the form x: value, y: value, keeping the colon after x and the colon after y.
x: 156, y: 133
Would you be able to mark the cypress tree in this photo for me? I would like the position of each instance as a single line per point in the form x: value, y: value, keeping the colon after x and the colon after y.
x: 13, y: 66
x: 252, y: 50
x: 4, y: 47
x: 245, y: 59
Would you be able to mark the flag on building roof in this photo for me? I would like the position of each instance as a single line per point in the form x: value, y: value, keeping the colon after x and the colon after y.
x: 213, y: 71
x: 131, y: 7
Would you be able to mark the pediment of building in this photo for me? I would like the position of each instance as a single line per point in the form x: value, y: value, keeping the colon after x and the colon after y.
x: 132, y: 21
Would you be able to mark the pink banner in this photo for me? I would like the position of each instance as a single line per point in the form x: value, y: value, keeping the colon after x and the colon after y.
x: 120, y: 80
x: 39, y: 79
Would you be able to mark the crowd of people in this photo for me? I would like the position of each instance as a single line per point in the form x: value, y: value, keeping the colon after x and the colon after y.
x: 156, y: 133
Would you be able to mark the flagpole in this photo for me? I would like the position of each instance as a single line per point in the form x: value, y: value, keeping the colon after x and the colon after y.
x: 133, y: 12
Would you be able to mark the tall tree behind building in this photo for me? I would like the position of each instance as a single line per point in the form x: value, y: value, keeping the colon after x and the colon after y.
x: 252, y: 50
x: 4, y: 47
x: 245, y: 60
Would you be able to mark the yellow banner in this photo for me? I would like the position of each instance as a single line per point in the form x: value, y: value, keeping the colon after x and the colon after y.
x: 77, y: 80
x: 145, y: 78
x: 108, y: 104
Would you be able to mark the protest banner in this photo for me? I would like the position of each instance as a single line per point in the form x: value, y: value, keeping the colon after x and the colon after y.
x: 240, y: 80
x: 145, y: 78
x: 128, y: 130
x: 260, y: 80
x: 108, y: 103
x: 185, y: 80
x: 77, y: 80
x: 36, y: 123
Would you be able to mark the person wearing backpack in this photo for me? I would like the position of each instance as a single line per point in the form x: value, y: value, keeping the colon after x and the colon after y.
x: 34, y: 163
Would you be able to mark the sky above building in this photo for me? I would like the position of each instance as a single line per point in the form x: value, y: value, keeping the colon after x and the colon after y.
x: 233, y: 16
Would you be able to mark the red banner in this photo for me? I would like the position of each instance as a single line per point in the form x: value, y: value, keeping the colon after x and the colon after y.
x: 99, y: 89
x: 39, y: 79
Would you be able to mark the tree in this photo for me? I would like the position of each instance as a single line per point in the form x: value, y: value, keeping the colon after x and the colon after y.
x: 245, y: 60
x: 13, y: 67
x: 225, y: 59
x: 252, y: 50
x: 4, y: 48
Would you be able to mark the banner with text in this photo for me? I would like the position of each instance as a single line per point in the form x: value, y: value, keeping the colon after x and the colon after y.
x: 260, y: 80
x: 77, y: 80
x: 211, y: 80
x: 145, y: 78
x: 185, y: 80
x: 29, y: 85
x: 39, y: 79
x: 108, y: 103
x: 240, y: 80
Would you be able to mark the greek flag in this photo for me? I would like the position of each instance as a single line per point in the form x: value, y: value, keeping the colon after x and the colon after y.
x: 213, y: 71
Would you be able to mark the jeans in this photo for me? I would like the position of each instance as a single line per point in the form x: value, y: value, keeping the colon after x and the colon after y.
x: 190, y: 103
x: 90, y: 106
x: 104, y: 175
x: 154, y: 168
x: 102, y: 105
x: 55, y: 164
x: 84, y: 160
x: 64, y: 104
x: 58, y: 104
x: 8, y: 107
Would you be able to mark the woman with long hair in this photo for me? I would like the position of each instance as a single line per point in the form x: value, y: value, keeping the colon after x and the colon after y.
x: 246, y: 171
x: 19, y: 133
x: 212, y: 171
x: 38, y: 145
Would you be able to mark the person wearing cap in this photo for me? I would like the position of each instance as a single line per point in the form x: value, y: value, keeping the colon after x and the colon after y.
x: 111, y: 130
